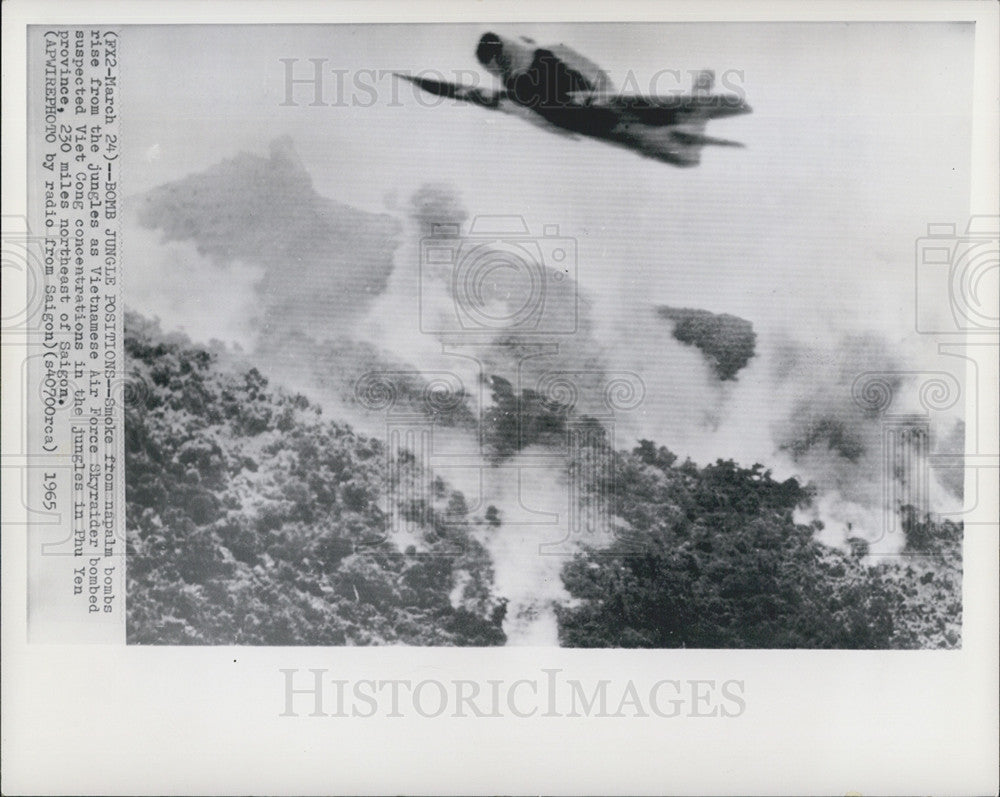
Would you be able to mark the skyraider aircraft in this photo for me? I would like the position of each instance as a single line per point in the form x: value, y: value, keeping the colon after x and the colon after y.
x: 564, y: 92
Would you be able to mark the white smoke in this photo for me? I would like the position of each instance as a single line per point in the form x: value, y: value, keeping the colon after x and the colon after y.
x: 189, y: 292
x: 793, y: 408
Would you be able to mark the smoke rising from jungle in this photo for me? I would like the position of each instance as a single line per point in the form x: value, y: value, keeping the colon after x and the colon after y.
x: 323, y: 296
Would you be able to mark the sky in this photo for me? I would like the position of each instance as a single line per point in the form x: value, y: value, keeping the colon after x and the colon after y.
x: 858, y: 139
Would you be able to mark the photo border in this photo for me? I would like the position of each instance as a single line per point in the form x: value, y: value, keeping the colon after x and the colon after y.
x: 130, y: 720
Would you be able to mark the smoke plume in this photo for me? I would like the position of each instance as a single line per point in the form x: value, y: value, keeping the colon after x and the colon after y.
x: 485, y: 335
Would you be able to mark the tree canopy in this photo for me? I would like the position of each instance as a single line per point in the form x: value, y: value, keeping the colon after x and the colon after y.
x: 712, y: 558
x: 254, y: 520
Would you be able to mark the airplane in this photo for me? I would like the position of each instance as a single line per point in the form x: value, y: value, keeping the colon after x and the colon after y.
x: 566, y: 93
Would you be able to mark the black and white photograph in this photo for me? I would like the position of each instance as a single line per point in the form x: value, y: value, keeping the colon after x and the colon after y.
x: 483, y: 398
x: 582, y: 335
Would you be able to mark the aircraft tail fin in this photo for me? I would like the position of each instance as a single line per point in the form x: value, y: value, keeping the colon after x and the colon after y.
x: 704, y: 82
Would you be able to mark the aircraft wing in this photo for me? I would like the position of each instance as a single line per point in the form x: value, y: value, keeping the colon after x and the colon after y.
x: 492, y: 100
x: 456, y: 91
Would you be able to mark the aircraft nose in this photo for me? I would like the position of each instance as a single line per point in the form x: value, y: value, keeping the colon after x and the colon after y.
x: 489, y: 48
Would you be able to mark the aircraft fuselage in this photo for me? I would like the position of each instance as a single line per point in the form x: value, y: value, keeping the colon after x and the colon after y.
x: 558, y: 87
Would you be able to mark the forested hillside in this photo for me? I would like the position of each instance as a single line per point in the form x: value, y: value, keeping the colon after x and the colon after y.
x: 254, y: 520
